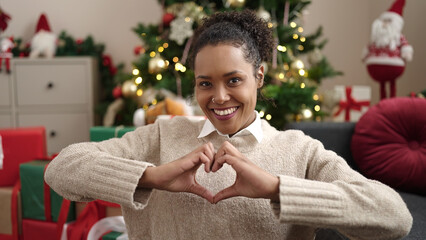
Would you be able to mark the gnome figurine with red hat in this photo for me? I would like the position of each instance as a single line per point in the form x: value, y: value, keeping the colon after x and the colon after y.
x: 44, y: 41
x: 388, y: 51
x: 6, y: 43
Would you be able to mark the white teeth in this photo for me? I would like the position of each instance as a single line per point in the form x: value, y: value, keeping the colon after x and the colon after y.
x: 225, y: 112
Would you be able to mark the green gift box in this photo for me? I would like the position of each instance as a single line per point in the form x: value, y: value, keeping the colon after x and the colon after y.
x: 111, y: 235
x: 32, y: 193
x: 99, y: 133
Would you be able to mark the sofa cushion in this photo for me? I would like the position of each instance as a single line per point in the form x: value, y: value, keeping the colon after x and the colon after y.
x: 389, y: 143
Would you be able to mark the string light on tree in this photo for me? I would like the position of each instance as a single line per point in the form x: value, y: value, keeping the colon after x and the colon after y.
x: 135, y: 72
x: 138, y: 80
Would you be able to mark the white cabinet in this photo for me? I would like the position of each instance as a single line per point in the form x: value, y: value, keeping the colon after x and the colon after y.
x: 59, y: 94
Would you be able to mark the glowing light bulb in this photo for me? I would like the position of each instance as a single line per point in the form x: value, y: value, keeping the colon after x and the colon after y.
x: 268, y: 117
x: 159, y: 76
x: 317, y: 108
x: 293, y: 24
x: 307, y: 113
x: 152, y: 54
x: 138, y: 80
x: 261, y: 114
x: 135, y: 71
x: 302, y: 85
x: 139, y: 92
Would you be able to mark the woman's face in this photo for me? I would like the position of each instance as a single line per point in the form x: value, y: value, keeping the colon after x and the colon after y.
x: 222, y: 73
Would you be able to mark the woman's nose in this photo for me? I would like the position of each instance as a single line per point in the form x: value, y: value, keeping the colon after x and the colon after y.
x: 221, y: 96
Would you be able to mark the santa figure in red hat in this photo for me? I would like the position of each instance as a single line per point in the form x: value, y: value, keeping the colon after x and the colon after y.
x: 388, y: 51
x: 6, y: 43
x: 44, y: 41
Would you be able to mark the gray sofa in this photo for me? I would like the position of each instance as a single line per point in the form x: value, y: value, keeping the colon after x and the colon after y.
x: 337, y: 137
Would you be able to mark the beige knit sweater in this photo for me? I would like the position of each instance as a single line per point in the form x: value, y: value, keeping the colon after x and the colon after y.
x: 317, y: 187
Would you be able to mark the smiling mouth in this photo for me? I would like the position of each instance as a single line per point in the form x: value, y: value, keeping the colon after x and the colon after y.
x: 225, y: 112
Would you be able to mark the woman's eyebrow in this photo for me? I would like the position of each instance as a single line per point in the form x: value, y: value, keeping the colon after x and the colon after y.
x: 202, y: 77
x: 224, y: 75
x: 231, y: 73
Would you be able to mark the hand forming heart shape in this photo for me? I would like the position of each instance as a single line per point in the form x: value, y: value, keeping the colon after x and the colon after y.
x: 179, y: 175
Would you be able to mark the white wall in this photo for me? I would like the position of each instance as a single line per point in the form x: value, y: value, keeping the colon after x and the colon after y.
x: 346, y: 25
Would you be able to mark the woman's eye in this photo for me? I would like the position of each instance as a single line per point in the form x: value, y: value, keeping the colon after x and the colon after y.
x: 204, y: 84
x: 234, y: 81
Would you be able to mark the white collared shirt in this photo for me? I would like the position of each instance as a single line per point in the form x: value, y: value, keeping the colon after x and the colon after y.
x: 255, y: 128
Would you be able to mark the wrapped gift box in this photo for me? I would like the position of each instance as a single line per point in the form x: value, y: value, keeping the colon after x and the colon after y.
x: 33, y: 190
x: 7, y: 221
x: 354, y: 102
x: 99, y: 133
x: 41, y: 230
x: 19, y: 145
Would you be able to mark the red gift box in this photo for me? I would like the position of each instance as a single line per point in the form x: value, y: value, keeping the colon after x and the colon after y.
x: 19, y: 145
x: 42, y: 230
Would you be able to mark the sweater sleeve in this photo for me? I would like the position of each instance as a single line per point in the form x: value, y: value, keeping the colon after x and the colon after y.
x: 332, y: 195
x: 109, y: 170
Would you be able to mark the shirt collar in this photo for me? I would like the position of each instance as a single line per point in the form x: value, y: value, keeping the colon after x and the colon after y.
x: 255, y: 128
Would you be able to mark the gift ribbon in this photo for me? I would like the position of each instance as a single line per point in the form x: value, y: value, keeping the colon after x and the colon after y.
x: 1, y: 154
x: 47, y: 200
x: 63, y: 212
x: 63, y: 215
x: 117, y: 130
x: 350, y: 104
x: 14, y: 210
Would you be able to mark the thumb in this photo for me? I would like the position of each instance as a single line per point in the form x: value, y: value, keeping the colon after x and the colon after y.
x: 202, y: 192
x: 224, y: 194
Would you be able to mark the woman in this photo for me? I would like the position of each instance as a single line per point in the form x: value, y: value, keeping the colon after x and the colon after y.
x: 232, y: 176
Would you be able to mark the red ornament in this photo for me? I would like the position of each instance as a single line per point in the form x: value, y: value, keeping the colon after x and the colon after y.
x: 116, y: 92
x: 167, y: 19
x: 138, y: 50
x: 79, y: 41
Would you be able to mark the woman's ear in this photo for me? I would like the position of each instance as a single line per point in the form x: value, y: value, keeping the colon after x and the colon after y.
x: 260, y: 76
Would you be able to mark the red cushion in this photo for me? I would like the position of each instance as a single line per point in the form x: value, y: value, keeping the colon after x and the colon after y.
x: 389, y: 143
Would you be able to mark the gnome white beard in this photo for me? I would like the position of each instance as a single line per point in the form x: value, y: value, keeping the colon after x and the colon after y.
x: 43, y: 43
x: 385, y: 35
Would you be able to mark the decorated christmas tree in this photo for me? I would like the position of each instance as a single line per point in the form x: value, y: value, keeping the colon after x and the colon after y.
x: 290, y: 91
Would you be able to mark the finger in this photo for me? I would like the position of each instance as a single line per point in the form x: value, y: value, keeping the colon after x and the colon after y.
x: 206, y: 161
x: 230, y: 149
x: 202, y: 192
x: 222, y: 149
x: 218, y: 162
x: 210, y: 150
x: 225, y: 194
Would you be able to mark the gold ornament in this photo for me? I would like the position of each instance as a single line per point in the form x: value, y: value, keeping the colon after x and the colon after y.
x: 236, y: 3
x: 156, y: 64
x: 129, y: 88
x: 262, y: 13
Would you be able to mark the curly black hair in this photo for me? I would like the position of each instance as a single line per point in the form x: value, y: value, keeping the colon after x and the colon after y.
x: 240, y: 29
